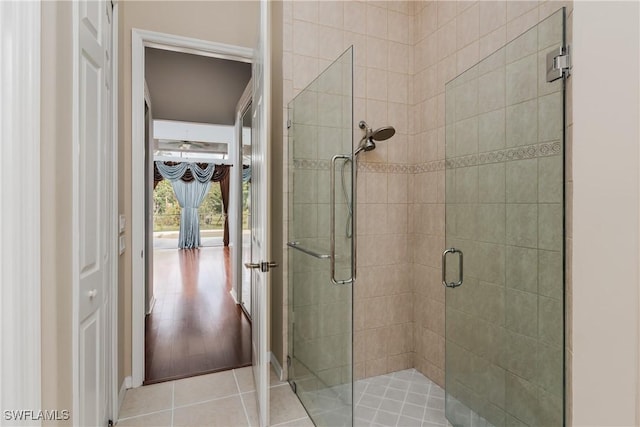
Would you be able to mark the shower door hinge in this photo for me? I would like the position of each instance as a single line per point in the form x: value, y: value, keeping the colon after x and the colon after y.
x: 558, y: 64
x: 288, y: 124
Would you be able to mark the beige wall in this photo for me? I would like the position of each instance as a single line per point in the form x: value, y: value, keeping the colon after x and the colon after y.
x: 606, y: 216
x: 227, y: 22
x: 56, y: 205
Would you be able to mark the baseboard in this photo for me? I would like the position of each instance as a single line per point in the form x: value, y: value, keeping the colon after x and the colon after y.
x: 276, y: 366
x: 126, y: 384
x: 152, y: 304
x: 234, y: 296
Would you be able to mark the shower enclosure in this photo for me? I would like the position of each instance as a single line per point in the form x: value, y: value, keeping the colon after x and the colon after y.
x: 503, y: 264
x: 321, y: 245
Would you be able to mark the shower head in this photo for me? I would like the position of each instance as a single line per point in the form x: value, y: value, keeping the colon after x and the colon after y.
x: 367, y: 142
x: 383, y: 133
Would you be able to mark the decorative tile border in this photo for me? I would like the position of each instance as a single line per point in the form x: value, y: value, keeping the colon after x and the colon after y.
x: 434, y: 166
x: 544, y: 149
x: 384, y: 167
x: 308, y: 164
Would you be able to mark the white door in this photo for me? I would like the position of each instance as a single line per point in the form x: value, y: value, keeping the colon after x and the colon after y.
x: 260, y: 252
x: 92, y: 189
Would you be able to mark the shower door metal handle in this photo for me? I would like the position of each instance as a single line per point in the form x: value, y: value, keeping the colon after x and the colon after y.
x: 444, y: 267
x: 332, y: 233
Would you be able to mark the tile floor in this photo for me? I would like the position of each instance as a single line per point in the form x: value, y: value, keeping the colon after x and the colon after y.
x: 220, y: 399
x: 403, y: 398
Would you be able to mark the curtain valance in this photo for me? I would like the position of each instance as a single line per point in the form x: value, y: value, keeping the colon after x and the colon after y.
x: 202, y: 172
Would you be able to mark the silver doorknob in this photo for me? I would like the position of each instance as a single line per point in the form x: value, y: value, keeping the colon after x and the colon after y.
x: 263, y: 266
x: 92, y: 293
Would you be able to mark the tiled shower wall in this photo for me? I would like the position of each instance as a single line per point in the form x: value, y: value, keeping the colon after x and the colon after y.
x: 315, y: 34
x: 449, y: 37
x: 405, y: 52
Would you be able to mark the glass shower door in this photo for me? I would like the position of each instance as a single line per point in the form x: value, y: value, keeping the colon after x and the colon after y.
x: 321, y: 246
x: 505, y: 236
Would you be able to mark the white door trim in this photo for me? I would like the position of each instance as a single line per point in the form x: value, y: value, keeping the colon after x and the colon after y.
x: 236, y: 188
x: 115, y: 242
x: 20, y: 330
x: 139, y: 40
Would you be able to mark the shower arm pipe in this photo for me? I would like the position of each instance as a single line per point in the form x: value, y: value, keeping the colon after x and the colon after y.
x: 332, y: 252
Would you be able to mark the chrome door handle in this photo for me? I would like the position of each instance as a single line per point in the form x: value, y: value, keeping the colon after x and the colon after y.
x: 262, y: 266
x: 444, y: 267
x: 332, y: 206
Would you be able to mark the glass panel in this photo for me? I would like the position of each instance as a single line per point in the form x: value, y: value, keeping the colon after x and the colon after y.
x: 504, y: 211
x: 320, y: 311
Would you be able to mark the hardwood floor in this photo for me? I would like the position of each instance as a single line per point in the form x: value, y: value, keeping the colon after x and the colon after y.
x: 195, y: 326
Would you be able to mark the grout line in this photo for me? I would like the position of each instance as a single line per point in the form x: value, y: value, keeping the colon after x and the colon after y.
x: 291, y: 421
x: 404, y: 402
x: 188, y: 405
x: 278, y: 385
x: 244, y: 408
x: 144, y: 415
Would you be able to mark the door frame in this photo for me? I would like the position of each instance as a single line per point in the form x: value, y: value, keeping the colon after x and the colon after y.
x: 140, y: 39
x: 116, y: 396
x: 236, y: 256
x: 20, y: 252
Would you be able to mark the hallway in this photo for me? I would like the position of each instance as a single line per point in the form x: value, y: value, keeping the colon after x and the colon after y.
x: 195, y: 326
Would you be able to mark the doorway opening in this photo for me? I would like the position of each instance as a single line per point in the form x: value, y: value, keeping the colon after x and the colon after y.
x: 194, y: 322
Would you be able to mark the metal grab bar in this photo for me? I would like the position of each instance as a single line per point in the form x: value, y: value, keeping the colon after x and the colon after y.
x: 444, y: 267
x: 333, y: 221
x: 296, y: 245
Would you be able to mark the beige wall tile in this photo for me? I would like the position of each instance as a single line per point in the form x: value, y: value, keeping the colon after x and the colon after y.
x: 331, y: 13
x: 305, y: 38
x: 521, y: 24
x: 492, y: 41
x: 492, y: 15
x: 376, y: 367
x: 468, y: 26
x: 305, y: 11
x: 376, y: 21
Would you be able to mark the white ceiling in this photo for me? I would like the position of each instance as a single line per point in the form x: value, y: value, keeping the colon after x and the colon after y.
x: 194, y: 88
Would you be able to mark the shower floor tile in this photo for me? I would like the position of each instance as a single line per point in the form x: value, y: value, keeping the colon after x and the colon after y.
x: 403, y: 398
x: 399, y: 399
